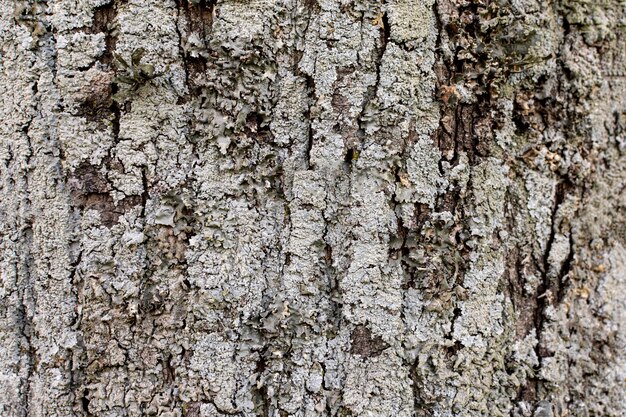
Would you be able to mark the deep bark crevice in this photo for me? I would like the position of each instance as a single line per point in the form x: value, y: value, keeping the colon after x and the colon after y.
x: 310, y: 88
x: 99, y: 106
x: 199, y: 19
x: 104, y: 21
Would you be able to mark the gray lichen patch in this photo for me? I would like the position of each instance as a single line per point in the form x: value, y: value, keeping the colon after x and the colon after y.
x: 411, y: 22
x: 422, y: 182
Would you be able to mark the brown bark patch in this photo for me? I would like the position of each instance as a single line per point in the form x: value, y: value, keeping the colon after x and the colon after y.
x: 97, y: 99
x: 89, y: 190
x: 103, y: 21
x: 365, y: 344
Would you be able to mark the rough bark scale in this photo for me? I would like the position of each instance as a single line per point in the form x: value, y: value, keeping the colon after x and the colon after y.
x: 313, y: 208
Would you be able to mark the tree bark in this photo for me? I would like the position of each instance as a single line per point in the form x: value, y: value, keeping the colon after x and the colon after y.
x: 313, y: 208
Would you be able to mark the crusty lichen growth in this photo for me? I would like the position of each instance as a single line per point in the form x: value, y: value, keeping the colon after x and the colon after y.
x: 312, y: 208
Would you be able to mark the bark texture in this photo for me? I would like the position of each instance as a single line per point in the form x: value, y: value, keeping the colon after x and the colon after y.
x: 313, y: 208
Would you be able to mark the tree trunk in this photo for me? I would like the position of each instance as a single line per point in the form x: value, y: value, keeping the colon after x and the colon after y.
x: 313, y: 208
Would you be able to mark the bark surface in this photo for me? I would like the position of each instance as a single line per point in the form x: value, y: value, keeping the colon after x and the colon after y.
x: 313, y: 208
